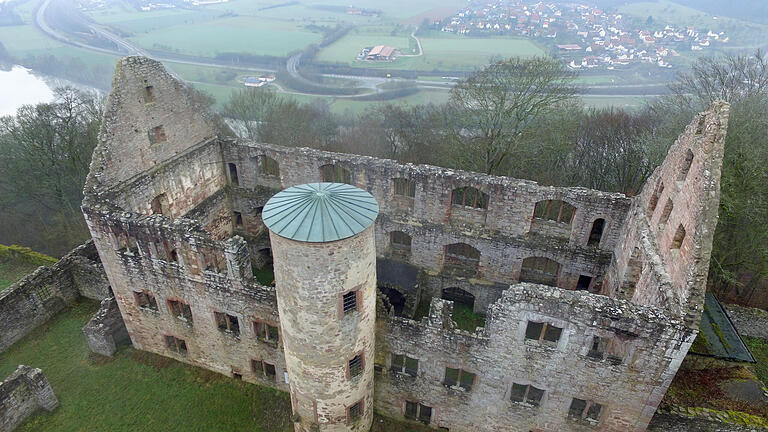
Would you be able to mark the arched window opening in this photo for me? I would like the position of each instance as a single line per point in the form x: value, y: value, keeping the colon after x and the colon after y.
x: 461, y: 259
x: 333, y: 173
x: 597, y: 232
x: 677, y: 241
x: 269, y: 166
x: 540, y: 270
x: 685, y: 165
x: 469, y: 197
x: 554, y: 210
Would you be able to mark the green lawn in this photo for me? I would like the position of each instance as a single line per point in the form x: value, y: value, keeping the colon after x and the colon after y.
x: 11, y: 271
x: 136, y: 390
x: 759, y: 349
x: 466, y: 319
x: 231, y: 34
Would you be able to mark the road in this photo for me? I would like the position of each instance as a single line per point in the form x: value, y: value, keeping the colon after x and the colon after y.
x: 124, y: 47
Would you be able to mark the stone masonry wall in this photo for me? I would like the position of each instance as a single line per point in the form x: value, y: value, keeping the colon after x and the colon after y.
x: 505, y: 233
x: 676, y: 214
x: 23, y: 393
x: 320, y: 338
x: 41, y: 294
x: 751, y: 322
x: 144, y: 97
x: 106, y: 329
x: 646, y: 342
x: 208, y: 275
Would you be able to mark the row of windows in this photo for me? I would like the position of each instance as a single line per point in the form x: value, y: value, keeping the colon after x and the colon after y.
x: 228, y: 324
x: 466, y: 196
x: 461, y: 259
x: 524, y: 394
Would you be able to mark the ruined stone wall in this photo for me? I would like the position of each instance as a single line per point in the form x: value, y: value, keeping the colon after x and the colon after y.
x: 320, y: 338
x: 40, y: 295
x: 144, y: 97
x: 208, y: 275
x: 751, y: 322
x: 504, y: 233
x: 106, y: 329
x: 646, y: 342
x: 676, y: 215
x: 23, y: 393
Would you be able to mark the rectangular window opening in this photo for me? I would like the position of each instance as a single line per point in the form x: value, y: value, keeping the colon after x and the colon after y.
x: 227, y: 323
x: 349, y: 302
x: 356, y: 366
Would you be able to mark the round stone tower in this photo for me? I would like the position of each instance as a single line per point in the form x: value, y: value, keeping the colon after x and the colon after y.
x: 325, y: 272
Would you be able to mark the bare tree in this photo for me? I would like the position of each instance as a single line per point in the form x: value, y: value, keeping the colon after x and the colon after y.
x: 493, y: 107
x: 249, y: 108
x: 730, y: 78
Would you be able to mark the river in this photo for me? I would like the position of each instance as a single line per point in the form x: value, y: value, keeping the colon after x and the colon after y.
x: 18, y: 87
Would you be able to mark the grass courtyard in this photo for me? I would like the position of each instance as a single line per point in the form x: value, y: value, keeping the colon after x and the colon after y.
x: 138, y: 391
x: 11, y: 271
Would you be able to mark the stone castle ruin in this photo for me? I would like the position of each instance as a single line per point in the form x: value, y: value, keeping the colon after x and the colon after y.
x: 591, y: 299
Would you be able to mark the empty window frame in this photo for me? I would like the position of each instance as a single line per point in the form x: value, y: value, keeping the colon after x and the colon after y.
x: 654, y: 201
x: 333, y: 173
x: 355, y: 366
x: 127, y: 244
x: 266, y: 332
x: 400, y: 240
x: 583, y: 283
x: 263, y: 369
x: 349, y: 302
x: 596, y: 233
x: 234, y: 180
x: 355, y: 411
x: 543, y: 332
x: 526, y: 394
x: 685, y: 165
x: 157, y: 135
x: 160, y: 205
x: 237, y: 219
x: 145, y: 300
x: 469, y: 197
x: 149, y: 94
x: 269, y: 166
x: 406, y: 365
x: 554, y: 210
x: 180, y: 310
x: 227, y: 323
x: 540, y: 270
x: 405, y: 187
x: 668, y: 207
x: 418, y: 411
x: 585, y: 410
x: 461, y: 259
x: 597, y: 348
x: 214, y: 262
x: 677, y: 240
x: 174, y: 344
x: 459, y: 378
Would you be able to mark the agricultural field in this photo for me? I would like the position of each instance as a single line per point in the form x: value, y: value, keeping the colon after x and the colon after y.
x: 232, y: 34
x: 441, y: 51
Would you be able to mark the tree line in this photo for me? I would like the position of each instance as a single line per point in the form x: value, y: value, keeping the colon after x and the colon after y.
x: 517, y: 117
